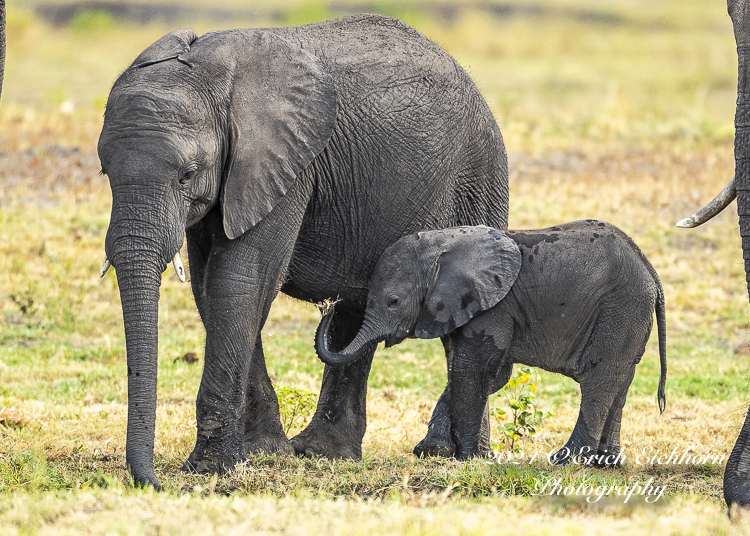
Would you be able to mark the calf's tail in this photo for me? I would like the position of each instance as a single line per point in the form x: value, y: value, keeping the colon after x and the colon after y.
x: 661, y: 325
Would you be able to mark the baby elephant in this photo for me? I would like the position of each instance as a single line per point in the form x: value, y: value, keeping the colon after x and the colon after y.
x: 577, y: 299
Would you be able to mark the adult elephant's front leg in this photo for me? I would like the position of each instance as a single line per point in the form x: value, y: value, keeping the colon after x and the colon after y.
x: 263, y: 430
x: 338, y: 426
x: 240, y: 282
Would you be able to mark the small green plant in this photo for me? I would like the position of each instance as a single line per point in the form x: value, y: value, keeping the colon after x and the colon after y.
x: 525, y: 418
x: 295, y: 406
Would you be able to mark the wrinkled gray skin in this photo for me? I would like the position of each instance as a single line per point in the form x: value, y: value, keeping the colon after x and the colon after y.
x: 737, y: 472
x: 577, y: 299
x: 2, y: 45
x: 291, y: 157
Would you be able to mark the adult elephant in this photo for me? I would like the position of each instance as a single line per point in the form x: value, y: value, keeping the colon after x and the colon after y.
x: 291, y: 158
x: 2, y: 45
x: 737, y: 472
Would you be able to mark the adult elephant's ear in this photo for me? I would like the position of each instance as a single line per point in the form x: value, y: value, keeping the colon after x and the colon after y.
x: 282, y: 112
x: 470, y: 270
x: 169, y: 47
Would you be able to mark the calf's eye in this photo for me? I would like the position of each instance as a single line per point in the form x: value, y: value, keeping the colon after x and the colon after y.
x: 393, y: 301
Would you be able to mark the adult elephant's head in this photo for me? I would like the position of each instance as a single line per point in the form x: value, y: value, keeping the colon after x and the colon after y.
x: 428, y: 284
x: 227, y: 119
x: 737, y: 473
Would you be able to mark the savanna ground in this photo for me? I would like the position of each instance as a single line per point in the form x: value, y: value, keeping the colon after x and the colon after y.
x: 620, y: 111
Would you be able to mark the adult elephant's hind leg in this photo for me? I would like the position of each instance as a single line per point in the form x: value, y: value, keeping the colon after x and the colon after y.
x: 338, y: 426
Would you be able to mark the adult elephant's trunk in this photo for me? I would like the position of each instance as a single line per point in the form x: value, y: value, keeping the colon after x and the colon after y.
x: 737, y: 473
x: 139, y: 292
x: 364, y: 342
x: 140, y: 240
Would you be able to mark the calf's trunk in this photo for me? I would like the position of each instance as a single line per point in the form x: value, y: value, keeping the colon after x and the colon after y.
x: 364, y: 342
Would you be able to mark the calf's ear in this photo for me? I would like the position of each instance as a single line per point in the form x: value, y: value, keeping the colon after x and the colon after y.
x: 471, y: 269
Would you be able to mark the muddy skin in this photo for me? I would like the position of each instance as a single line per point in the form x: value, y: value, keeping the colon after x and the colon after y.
x: 577, y: 299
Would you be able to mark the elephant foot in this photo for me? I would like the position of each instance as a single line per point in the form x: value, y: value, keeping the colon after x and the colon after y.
x: 218, y: 448
x: 439, y: 441
x: 264, y: 433
x: 606, y: 459
x: 582, y: 455
x: 210, y: 463
x: 268, y: 445
x: 328, y: 441
x: 434, y: 447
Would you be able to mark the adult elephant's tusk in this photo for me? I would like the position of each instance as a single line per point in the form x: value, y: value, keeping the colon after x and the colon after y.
x: 178, y: 267
x: 105, y: 266
x: 719, y: 203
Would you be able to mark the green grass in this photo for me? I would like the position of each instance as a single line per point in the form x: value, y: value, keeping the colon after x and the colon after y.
x: 63, y: 386
x: 615, y: 110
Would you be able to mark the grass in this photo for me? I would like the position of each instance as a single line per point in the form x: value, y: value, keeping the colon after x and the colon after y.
x: 624, y: 115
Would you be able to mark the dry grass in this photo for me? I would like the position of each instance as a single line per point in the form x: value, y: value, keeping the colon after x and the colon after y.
x: 103, y: 513
x: 629, y: 122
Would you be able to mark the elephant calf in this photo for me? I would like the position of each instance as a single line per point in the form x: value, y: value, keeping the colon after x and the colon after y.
x: 577, y: 299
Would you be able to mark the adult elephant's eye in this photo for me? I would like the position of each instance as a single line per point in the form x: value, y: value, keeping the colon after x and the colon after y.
x: 188, y: 172
x: 393, y: 301
x: 187, y: 176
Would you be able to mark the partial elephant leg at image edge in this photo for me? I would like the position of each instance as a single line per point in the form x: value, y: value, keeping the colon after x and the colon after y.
x: 737, y: 472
